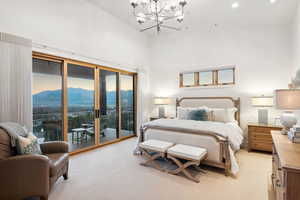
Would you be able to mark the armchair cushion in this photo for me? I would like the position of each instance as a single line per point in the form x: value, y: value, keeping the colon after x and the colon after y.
x: 57, y: 162
x: 54, y: 147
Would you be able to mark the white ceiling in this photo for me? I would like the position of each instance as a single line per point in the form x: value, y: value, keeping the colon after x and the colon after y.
x: 260, y: 12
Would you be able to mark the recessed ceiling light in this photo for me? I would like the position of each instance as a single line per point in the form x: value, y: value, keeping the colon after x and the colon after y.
x: 273, y: 1
x: 235, y: 5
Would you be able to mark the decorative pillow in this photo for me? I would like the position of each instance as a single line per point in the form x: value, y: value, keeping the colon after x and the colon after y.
x: 183, y: 113
x: 224, y: 114
x: 28, y: 145
x: 198, y: 115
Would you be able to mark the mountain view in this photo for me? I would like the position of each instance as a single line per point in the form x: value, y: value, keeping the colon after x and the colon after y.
x: 76, y: 97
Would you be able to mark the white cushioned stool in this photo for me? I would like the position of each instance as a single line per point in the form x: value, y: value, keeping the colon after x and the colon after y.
x: 158, y: 147
x: 193, y: 155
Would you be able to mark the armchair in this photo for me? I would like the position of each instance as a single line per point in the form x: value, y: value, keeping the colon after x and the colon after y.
x: 31, y: 175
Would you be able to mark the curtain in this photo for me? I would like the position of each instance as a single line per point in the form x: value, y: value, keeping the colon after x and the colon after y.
x: 143, y: 102
x: 15, y: 80
x: 142, y: 97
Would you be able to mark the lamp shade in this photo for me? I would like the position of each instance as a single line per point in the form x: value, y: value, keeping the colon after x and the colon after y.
x: 162, y: 101
x: 288, y: 99
x: 262, y: 101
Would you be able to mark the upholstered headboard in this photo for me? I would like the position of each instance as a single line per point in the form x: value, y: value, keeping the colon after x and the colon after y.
x: 213, y: 102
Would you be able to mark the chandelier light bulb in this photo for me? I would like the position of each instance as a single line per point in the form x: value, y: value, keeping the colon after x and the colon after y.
x: 182, y: 2
x: 173, y: 7
x: 141, y: 18
x: 180, y: 18
x: 134, y: 3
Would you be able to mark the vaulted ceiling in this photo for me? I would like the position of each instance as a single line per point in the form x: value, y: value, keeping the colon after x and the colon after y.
x: 210, y: 12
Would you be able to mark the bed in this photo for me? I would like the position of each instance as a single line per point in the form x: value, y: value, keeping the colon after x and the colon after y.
x: 220, y: 139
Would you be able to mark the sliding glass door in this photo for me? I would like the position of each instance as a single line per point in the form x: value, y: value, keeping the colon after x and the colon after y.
x: 84, y: 104
x: 127, y: 104
x: 108, y: 106
x: 47, y: 100
x: 81, y: 95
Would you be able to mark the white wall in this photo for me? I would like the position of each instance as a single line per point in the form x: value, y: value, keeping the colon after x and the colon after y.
x: 77, y: 26
x: 296, y: 40
x: 296, y: 45
x: 262, y: 55
x: 80, y: 27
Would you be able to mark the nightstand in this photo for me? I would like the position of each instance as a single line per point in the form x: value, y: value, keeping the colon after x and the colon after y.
x: 259, y: 136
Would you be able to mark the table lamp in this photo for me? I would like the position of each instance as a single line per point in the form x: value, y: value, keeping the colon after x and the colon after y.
x: 161, y: 102
x: 263, y: 102
x: 288, y: 100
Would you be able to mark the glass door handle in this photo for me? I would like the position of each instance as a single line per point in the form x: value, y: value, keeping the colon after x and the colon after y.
x: 97, y: 113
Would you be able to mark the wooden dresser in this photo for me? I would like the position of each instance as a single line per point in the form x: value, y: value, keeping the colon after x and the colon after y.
x: 285, y: 184
x: 259, y: 136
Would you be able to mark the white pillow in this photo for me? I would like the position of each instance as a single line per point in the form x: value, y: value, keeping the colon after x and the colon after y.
x: 183, y: 113
x: 224, y: 114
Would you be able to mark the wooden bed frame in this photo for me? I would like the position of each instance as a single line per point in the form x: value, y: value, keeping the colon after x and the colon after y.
x: 225, y: 162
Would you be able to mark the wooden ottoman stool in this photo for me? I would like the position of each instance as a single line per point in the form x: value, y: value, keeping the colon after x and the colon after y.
x: 158, y: 148
x: 193, y: 155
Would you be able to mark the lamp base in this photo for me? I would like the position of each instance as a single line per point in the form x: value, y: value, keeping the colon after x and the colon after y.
x: 263, y: 116
x: 288, y: 120
x: 161, y: 112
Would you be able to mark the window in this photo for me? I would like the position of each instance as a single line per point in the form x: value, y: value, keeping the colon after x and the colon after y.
x: 205, y: 78
x: 47, y: 100
x: 215, y: 77
x: 81, y: 105
x: 226, y: 76
x: 127, y: 104
x: 108, y: 106
x: 188, y: 79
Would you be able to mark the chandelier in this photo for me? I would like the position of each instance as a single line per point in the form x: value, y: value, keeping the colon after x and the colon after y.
x: 157, y: 12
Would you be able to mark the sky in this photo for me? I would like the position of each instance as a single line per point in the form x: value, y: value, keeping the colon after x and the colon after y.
x: 43, y: 82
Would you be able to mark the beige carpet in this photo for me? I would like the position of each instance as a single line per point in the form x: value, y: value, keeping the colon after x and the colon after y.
x: 113, y: 173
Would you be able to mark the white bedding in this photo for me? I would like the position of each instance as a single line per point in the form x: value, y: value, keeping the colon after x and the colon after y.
x: 230, y: 130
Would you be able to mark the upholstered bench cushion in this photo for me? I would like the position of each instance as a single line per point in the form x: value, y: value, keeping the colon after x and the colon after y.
x: 189, y: 152
x: 156, y: 145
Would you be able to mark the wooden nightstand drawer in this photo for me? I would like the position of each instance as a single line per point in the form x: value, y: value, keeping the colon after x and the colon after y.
x: 259, y: 137
x: 262, y: 146
x: 263, y: 130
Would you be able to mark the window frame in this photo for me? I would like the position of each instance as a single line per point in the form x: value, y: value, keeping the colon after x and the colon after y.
x: 215, y: 77
x: 233, y: 78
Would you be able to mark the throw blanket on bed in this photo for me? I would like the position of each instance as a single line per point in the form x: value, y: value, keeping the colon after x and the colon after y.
x: 230, y: 131
x: 14, y: 130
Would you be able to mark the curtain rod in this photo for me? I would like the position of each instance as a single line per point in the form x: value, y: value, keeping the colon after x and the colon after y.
x: 110, y: 63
